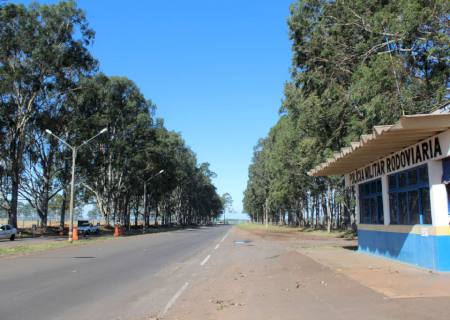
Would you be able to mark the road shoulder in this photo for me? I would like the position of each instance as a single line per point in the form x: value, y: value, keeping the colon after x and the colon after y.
x: 253, y: 276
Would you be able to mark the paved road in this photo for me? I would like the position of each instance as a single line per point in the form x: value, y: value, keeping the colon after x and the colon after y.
x: 130, y: 278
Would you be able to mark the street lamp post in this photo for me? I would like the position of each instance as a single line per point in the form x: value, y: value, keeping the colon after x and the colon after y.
x: 145, y: 198
x: 72, y: 181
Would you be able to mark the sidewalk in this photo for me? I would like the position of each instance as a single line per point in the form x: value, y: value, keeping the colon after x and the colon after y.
x: 390, y: 278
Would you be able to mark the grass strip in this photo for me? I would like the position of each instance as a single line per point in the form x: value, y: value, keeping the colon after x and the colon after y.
x: 48, y: 245
x: 56, y: 244
x: 290, y: 229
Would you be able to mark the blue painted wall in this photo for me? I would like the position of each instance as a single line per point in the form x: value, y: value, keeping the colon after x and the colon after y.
x: 431, y: 252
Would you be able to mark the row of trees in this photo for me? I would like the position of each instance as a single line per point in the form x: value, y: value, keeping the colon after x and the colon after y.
x: 355, y: 64
x: 50, y: 81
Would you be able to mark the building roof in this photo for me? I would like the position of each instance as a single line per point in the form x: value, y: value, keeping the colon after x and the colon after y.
x: 383, y: 141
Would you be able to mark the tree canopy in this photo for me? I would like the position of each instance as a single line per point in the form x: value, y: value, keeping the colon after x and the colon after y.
x: 49, y: 80
x: 355, y: 64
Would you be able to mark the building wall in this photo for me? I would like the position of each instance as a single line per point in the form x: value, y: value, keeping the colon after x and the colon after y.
x: 423, y: 246
x: 426, y: 246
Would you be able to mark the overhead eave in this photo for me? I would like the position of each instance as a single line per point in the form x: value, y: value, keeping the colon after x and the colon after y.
x: 383, y: 141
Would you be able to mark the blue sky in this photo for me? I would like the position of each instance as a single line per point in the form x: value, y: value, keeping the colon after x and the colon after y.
x: 215, y: 69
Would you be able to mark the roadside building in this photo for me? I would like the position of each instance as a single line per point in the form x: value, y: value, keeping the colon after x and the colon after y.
x: 401, y: 174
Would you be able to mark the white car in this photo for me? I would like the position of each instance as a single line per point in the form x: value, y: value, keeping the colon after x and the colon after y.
x: 84, y: 227
x: 7, y: 231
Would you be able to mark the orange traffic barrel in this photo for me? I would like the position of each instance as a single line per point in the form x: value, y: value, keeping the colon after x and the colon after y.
x: 75, y: 233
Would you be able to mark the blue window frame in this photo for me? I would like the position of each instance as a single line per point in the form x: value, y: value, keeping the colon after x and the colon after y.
x: 371, y: 202
x: 409, y: 197
x: 448, y: 198
x: 446, y: 178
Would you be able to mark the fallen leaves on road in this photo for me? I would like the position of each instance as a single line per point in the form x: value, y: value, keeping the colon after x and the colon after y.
x: 221, y: 304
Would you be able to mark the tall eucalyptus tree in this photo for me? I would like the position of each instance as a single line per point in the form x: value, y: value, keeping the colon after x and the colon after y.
x: 355, y: 64
x: 43, y: 53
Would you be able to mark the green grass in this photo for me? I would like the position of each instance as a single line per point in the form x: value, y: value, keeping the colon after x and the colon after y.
x: 270, y: 228
x: 31, y: 247
x: 37, y: 247
x: 288, y: 229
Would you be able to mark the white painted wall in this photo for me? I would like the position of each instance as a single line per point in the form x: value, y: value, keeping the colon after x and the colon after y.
x: 385, y: 195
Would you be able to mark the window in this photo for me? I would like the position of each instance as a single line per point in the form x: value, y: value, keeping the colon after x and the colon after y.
x: 412, y: 177
x: 446, y: 178
x: 426, y: 209
x: 393, y: 207
x: 448, y: 197
x: 371, y: 202
x: 392, y: 182
x: 402, y: 180
x: 403, y: 208
x: 409, y: 197
x: 413, y: 205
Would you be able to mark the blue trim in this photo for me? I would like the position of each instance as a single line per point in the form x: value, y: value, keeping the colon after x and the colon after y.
x: 409, y: 198
x: 431, y: 252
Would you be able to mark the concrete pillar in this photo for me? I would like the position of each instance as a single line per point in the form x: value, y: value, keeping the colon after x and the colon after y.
x: 385, y: 195
x: 438, y: 194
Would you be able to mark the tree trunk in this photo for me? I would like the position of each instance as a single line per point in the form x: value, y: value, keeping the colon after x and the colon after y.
x: 63, y: 210
x: 156, y: 215
x: 43, y: 217
x: 328, y: 208
x: 12, y: 214
x: 136, y: 213
x: 282, y: 216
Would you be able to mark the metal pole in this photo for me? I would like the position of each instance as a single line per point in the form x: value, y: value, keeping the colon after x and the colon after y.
x: 72, y: 191
x: 72, y: 183
x: 145, y: 207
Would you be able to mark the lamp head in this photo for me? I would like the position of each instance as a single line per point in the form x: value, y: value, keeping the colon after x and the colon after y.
x: 161, y: 171
x: 104, y: 130
x: 48, y: 131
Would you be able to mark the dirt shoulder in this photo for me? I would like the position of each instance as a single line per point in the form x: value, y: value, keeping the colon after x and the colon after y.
x: 259, y: 275
x: 390, y: 278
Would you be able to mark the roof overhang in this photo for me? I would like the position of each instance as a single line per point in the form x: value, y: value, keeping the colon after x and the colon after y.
x: 383, y: 141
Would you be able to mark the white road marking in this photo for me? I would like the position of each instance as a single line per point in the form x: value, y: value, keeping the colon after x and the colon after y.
x: 217, y: 246
x: 224, y: 237
x: 205, y: 260
x: 174, y: 298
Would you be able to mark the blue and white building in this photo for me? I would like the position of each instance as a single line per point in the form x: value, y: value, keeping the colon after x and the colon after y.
x: 401, y: 174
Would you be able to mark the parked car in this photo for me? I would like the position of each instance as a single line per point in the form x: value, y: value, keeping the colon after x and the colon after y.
x: 7, y: 231
x: 84, y: 227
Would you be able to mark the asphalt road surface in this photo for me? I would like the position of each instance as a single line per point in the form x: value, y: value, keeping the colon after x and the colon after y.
x: 130, y: 278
